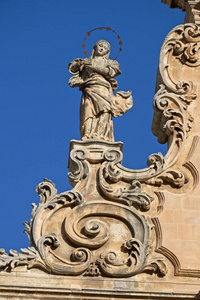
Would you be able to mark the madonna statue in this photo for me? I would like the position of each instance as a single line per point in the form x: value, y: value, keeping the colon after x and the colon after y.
x: 95, y: 78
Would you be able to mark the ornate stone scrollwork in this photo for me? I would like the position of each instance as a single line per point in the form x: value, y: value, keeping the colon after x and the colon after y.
x: 181, y: 47
x: 130, y: 194
x: 102, y: 234
x: 172, y: 120
x: 172, y: 177
x: 186, y: 47
x: 169, y: 123
x: 92, y: 238
x: 116, y: 172
x: 158, y: 266
x: 176, y: 114
x: 79, y: 259
x: 79, y: 166
x: 108, y: 224
x: 112, y: 264
x: 172, y: 123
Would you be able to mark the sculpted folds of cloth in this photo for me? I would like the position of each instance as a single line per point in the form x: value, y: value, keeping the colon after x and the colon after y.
x: 95, y: 78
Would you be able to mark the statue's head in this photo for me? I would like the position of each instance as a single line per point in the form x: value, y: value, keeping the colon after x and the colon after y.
x: 101, y: 48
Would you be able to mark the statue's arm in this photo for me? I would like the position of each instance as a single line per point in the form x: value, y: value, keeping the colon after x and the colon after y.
x: 75, y: 65
x: 110, y: 69
x: 113, y: 67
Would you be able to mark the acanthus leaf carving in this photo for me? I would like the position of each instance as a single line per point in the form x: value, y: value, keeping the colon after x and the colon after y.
x: 188, y: 89
x: 172, y: 177
x: 77, y: 241
x: 158, y: 267
x: 182, y: 44
x: 14, y: 258
x: 46, y: 190
x: 70, y: 235
x: 71, y: 197
x: 129, y: 193
x: 173, y: 120
x: 79, y: 259
x: 28, y: 225
x: 186, y: 47
x: 170, y: 123
x: 112, y: 264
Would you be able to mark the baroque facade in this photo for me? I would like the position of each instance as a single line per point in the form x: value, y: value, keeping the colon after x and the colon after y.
x: 121, y: 233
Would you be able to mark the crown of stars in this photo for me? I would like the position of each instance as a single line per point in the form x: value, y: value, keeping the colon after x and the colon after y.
x: 101, y: 28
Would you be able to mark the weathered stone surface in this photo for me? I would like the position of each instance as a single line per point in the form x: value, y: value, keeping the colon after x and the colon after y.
x: 22, y: 285
x: 176, y: 120
x: 192, y: 8
x: 176, y: 3
x: 121, y: 233
x: 99, y: 228
x: 95, y: 78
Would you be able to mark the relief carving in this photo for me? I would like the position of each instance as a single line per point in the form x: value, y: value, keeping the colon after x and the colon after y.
x: 180, y: 48
x: 79, y: 166
x: 13, y: 258
x: 105, y: 236
x: 176, y: 122
x: 173, y: 120
x: 106, y: 226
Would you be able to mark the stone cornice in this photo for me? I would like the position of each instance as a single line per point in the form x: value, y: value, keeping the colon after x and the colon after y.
x: 192, y: 8
x: 176, y: 4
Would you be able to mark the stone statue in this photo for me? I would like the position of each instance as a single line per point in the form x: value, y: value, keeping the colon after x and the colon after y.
x: 95, y: 78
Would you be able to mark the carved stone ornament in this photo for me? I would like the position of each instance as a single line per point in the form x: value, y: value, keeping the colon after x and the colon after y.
x: 176, y: 3
x: 108, y: 225
x: 175, y: 98
x: 191, y: 7
x: 97, y: 227
x: 176, y: 121
x: 95, y: 78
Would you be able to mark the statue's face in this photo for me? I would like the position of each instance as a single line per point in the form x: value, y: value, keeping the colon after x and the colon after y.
x: 101, y: 49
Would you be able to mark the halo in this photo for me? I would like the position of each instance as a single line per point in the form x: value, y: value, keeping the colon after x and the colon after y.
x: 101, y: 28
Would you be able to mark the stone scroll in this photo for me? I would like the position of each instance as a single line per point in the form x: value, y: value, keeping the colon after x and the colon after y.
x: 141, y: 225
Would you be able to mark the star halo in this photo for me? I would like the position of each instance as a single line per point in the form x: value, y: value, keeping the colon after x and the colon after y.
x: 101, y: 28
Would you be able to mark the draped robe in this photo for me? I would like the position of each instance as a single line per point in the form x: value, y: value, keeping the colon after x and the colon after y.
x: 98, y: 103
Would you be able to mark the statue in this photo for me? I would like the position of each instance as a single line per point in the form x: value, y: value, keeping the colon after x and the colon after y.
x: 95, y: 78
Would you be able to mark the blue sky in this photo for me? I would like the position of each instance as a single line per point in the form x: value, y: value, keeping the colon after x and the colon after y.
x: 40, y: 112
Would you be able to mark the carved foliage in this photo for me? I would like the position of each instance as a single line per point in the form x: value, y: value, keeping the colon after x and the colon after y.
x: 182, y: 44
x: 108, y: 235
x: 14, y: 258
x: 80, y: 245
x: 187, y: 47
x: 174, y: 178
x: 124, y: 185
x: 175, y: 99
x: 171, y: 123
